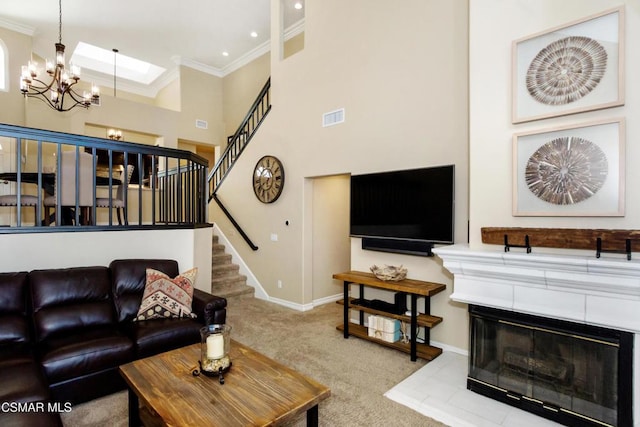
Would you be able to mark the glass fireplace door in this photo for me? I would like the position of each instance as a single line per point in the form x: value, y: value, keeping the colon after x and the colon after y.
x: 563, y: 371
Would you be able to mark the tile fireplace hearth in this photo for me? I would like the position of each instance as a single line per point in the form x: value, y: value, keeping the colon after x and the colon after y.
x: 580, y: 291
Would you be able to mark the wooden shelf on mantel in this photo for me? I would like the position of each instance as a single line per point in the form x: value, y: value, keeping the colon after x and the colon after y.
x: 566, y: 238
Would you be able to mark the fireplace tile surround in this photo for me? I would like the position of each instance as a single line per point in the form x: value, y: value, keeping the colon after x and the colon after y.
x: 574, y: 287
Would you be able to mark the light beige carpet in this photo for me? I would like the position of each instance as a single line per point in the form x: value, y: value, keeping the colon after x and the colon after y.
x: 358, y: 372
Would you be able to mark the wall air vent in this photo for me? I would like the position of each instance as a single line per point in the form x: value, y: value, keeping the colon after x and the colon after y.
x: 201, y: 124
x: 333, y: 118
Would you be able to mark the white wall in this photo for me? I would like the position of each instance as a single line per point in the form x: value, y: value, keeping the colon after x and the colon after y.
x: 491, y: 129
x: 25, y: 252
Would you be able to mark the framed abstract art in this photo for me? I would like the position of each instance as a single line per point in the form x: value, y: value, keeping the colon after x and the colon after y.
x: 575, y: 170
x: 569, y: 69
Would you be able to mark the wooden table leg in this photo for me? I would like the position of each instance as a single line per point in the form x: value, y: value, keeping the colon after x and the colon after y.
x: 134, y: 410
x: 312, y: 417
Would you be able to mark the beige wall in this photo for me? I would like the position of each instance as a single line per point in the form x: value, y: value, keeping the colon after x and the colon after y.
x: 401, y: 74
x: 201, y: 96
x: 240, y: 88
x: 169, y: 96
x: 330, y: 248
x: 490, y: 108
x: 18, y: 45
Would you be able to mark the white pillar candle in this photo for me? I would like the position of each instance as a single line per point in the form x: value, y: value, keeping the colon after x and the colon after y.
x: 215, y: 346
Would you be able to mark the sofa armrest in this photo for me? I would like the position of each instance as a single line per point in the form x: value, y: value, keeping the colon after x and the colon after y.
x: 210, y: 309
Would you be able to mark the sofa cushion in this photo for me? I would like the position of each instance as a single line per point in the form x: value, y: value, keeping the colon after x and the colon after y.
x: 15, y: 337
x: 166, y: 297
x: 83, y: 353
x: 158, y: 335
x: 69, y: 301
x: 22, y: 381
x: 129, y: 277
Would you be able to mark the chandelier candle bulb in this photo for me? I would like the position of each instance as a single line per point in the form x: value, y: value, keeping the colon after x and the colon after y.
x: 75, y: 71
x: 60, y: 54
x: 33, y: 68
x: 26, y: 75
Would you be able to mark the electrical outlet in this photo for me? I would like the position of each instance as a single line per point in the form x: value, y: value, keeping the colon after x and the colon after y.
x: 279, y: 284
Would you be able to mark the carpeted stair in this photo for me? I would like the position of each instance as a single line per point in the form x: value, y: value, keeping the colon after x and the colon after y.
x: 226, y: 281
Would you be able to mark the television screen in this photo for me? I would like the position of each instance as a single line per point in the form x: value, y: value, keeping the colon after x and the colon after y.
x: 415, y: 204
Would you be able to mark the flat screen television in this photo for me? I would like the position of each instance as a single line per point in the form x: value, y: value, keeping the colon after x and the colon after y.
x: 404, y: 211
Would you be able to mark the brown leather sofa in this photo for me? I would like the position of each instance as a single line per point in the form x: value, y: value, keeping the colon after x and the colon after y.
x: 65, y: 332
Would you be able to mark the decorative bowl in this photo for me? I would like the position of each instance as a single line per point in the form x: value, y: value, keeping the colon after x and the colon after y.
x: 389, y: 273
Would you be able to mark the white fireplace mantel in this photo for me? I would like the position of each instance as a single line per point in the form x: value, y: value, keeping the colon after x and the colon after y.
x: 598, y: 291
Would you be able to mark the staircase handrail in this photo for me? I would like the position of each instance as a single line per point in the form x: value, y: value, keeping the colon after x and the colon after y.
x: 235, y: 147
x: 232, y: 148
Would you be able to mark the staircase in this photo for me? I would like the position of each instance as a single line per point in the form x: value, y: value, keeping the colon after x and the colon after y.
x: 235, y: 146
x: 226, y: 280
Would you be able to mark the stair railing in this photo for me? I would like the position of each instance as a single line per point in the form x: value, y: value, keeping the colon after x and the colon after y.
x: 235, y: 146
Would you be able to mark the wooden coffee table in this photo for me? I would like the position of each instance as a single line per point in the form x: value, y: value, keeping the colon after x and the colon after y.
x: 257, y: 391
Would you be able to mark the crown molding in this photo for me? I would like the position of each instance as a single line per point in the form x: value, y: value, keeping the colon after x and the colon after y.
x: 17, y: 27
x: 253, y: 54
x: 294, y: 30
x: 186, y: 62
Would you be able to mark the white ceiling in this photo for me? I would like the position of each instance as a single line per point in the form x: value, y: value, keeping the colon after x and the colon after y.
x: 190, y: 32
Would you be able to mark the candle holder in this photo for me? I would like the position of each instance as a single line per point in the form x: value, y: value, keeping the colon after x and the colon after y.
x: 214, y: 351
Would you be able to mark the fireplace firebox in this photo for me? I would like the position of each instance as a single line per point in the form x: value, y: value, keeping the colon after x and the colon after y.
x: 571, y: 373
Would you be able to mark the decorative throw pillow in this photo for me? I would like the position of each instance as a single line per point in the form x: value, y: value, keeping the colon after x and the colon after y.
x: 165, y: 297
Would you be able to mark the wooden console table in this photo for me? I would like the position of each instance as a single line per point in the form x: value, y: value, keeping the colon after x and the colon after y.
x: 415, y: 288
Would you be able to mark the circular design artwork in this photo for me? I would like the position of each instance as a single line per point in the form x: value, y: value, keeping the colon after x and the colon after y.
x: 566, y: 170
x: 566, y: 70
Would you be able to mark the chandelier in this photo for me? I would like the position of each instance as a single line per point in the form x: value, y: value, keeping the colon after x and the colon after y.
x: 114, y: 134
x: 59, y: 93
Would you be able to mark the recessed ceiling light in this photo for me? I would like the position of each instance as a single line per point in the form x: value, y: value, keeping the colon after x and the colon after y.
x: 254, y: 34
x: 298, y: 5
x: 225, y: 53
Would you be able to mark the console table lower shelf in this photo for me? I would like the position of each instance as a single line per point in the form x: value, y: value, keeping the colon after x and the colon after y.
x: 423, y: 351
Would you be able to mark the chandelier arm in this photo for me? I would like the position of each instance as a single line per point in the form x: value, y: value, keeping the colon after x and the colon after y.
x: 76, y: 103
x: 45, y: 99
x: 75, y: 96
x: 39, y: 90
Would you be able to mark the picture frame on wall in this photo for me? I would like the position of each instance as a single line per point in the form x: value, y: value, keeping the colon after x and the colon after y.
x: 574, y: 170
x: 569, y: 69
